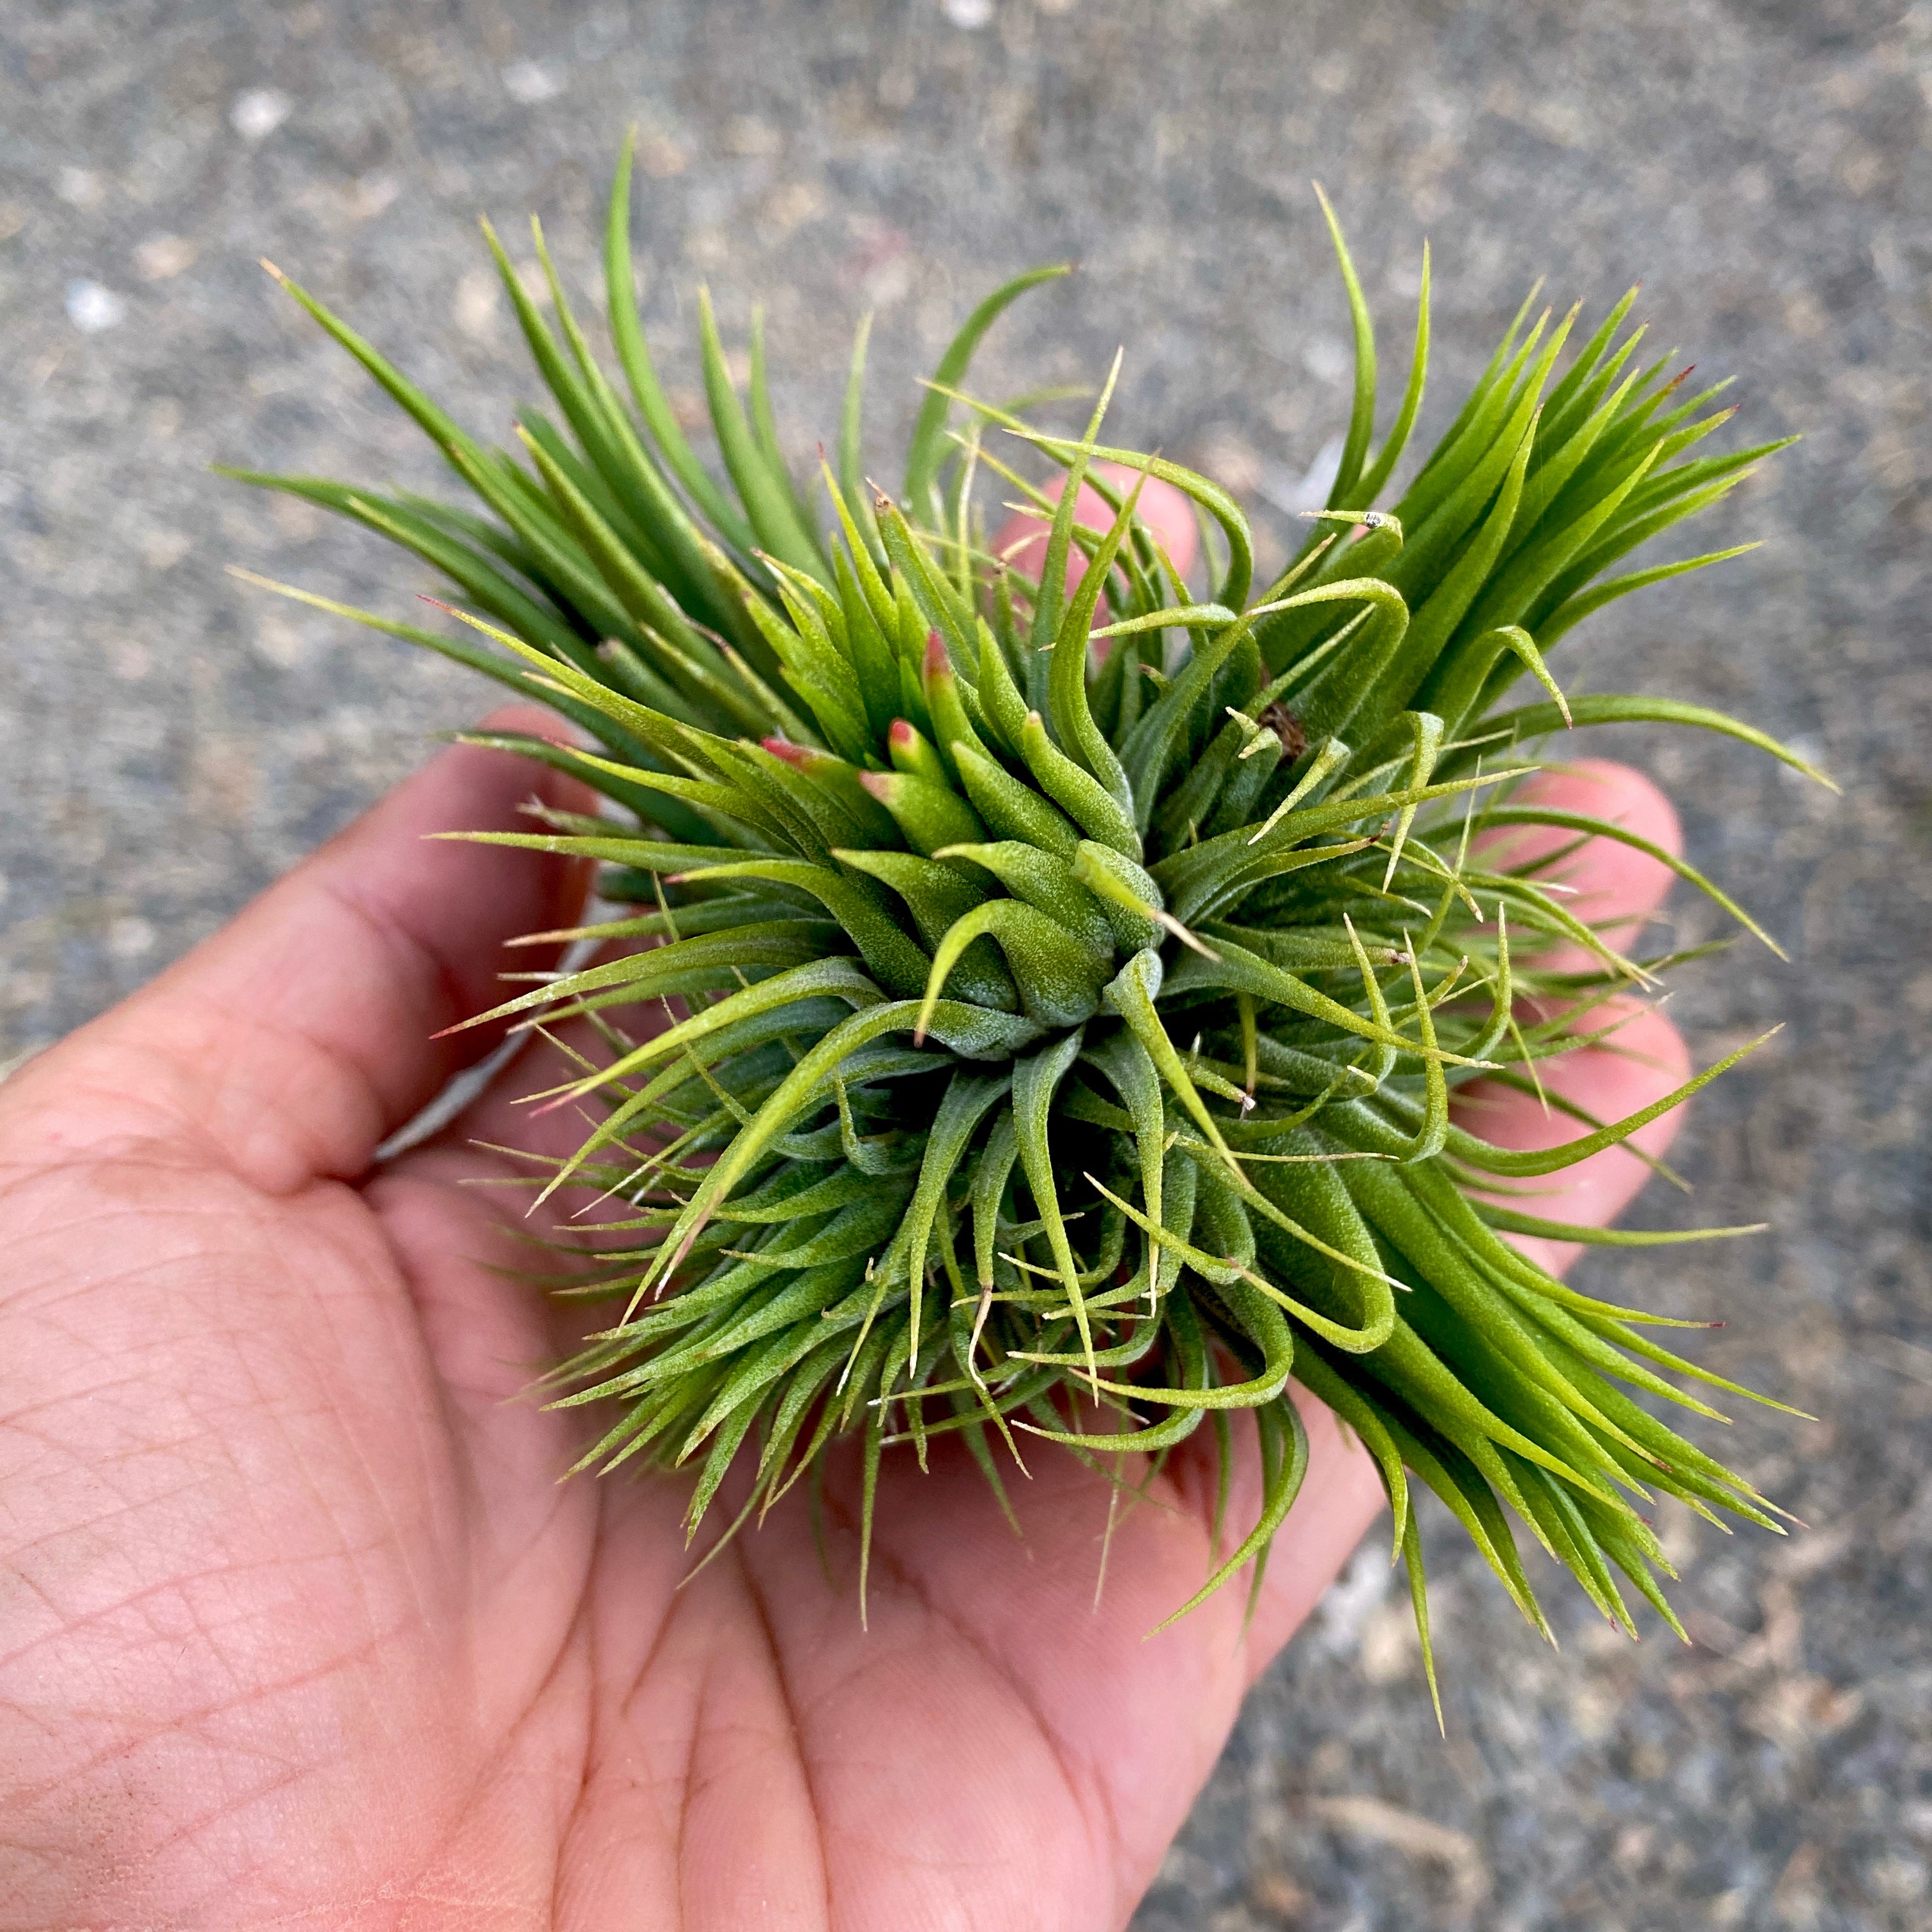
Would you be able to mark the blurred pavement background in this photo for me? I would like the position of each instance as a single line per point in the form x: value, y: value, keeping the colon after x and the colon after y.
x: 171, y: 741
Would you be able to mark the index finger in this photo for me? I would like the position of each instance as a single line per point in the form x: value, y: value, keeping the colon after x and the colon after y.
x: 1022, y: 539
x: 1341, y: 1494
x: 1615, y: 888
x: 1604, y: 883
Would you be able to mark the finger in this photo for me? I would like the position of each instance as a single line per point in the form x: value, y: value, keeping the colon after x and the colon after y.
x: 1604, y: 883
x: 1645, y: 1059
x: 1615, y: 888
x: 301, y: 1033
x: 1342, y: 1494
x: 1022, y: 540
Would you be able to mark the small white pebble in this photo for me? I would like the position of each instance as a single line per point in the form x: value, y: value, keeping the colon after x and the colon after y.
x: 373, y: 193
x: 129, y: 937
x: 474, y: 308
x: 1325, y: 358
x: 162, y: 550
x: 256, y: 114
x: 78, y: 187
x: 161, y: 257
x: 970, y: 14
x: 1311, y: 492
x: 91, y: 308
x: 530, y: 82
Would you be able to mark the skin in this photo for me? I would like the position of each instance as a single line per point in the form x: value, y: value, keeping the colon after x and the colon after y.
x: 299, y: 1628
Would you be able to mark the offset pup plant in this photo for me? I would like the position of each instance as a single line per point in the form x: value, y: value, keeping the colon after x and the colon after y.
x: 1064, y: 1038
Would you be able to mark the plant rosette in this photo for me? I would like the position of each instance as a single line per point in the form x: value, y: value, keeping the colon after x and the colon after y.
x: 1040, y: 995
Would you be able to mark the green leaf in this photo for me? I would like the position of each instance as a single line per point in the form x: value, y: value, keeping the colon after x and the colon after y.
x: 929, y: 815
x: 1035, y: 1079
x: 1058, y: 978
x: 1362, y: 415
x: 900, y: 965
x: 929, y: 434
x: 1553, y: 1160
x: 627, y: 335
x: 1502, y: 815
x: 1080, y: 795
x: 765, y: 491
x: 968, y: 1097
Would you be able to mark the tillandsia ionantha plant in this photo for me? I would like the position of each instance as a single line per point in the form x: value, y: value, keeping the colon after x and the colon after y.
x: 1071, y: 983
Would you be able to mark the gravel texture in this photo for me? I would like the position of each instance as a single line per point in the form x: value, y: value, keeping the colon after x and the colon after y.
x: 172, y: 741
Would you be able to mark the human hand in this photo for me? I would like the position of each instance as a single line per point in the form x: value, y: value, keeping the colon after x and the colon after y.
x: 297, y: 1623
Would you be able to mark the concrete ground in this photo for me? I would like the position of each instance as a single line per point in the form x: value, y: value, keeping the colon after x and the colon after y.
x: 172, y: 741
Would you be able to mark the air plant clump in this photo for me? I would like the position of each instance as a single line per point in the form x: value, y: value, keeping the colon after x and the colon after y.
x: 1039, y: 1006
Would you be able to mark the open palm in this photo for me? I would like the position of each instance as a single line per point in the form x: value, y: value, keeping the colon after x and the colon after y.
x: 298, y: 1625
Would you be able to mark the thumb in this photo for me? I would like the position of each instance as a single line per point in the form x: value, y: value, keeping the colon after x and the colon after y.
x: 299, y: 1036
